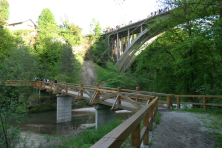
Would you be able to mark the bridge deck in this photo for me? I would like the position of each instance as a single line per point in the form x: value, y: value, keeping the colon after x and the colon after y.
x: 126, y: 102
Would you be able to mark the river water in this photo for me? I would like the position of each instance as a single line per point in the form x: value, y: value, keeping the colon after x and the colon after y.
x: 45, y: 122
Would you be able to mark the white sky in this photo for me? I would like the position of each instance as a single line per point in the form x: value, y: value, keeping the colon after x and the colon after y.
x: 81, y: 12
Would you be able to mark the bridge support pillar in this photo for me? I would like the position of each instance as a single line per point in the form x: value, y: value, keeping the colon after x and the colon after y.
x: 121, y: 45
x: 64, y: 108
x: 103, y: 114
x: 128, y: 37
x: 117, y: 46
x: 125, y: 43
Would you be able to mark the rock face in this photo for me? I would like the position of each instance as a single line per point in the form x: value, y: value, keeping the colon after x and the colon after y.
x: 88, y: 73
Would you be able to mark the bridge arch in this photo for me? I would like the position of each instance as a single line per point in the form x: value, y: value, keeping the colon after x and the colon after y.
x: 125, y: 57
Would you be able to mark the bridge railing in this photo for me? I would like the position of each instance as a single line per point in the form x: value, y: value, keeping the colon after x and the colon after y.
x: 199, y: 100
x: 19, y: 83
x: 116, y: 137
x: 165, y: 100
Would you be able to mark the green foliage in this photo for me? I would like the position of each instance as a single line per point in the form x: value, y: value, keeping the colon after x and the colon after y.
x: 47, y: 24
x: 56, y: 59
x: 99, y: 52
x: 4, y: 12
x: 22, y: 63
x: 70, y: 32
x: 67, y: 65
x: 89, y: 137
x: 9, y: 106
x: 7, y: 42
x: 183, y: 62
x: 115, y: 78
x: 95, y: 27
x: 21, y: 32
x: 27, y: 37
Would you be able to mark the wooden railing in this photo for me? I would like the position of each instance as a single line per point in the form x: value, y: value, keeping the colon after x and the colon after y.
x: 95, y: 92
x: 116, y: 137
x: 205, y: 104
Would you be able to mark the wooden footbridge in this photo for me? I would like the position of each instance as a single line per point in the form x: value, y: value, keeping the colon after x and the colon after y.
x: 145, y: 104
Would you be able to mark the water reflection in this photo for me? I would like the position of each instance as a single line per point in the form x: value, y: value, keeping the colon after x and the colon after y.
x: 45, y: 122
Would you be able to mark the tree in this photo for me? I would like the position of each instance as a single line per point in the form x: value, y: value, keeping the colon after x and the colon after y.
x: 10, y: 111
x: 22, y: 63
x: 4, y: 12
x: 7, y: 41
x: 67, y: 66
x: 186, y: 59
x: 48, y: 45
x: 70, y: 32
x: 46, y: 21
x: 95, y: 28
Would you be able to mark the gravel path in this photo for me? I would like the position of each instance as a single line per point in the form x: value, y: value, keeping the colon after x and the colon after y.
x: 181, y: 130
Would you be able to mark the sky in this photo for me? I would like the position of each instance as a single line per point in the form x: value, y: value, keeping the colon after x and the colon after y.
x: 81, y: 12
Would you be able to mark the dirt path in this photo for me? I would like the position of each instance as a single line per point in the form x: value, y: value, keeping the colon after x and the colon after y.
x: 181, y: 130
x: 88, y: 73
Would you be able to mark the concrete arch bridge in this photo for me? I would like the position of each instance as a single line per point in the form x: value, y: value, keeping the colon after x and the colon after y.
x: 135, y: 35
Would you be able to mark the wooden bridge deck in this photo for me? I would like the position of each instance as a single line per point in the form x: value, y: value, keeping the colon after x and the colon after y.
x: 104, y: 98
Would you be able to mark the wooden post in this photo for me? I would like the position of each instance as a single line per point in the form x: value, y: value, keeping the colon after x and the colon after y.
x: 146, y: 123
x: 81, y: 92
x: 151, y: 122
x: 136, y: 136
x: 44, y: 83
x: 150, y: 100
x: 97, y: 97
x: 154, y: 110
x: 119, y: 98
x: 58, y: 87
x: 204, y: 102
x: 66, y: 88
x: 178, y: 102
x: 51, y: 85
x: 168, y: 101
x: 137, y: 97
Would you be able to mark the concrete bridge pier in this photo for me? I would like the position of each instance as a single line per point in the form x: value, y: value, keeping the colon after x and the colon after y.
x: 64, y: 108
x: 103, y: 114
x: 117, y: 46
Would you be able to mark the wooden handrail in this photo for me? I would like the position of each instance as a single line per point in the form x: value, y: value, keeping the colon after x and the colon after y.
x: 132, y: 125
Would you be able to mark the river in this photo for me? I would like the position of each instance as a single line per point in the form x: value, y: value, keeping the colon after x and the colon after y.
x: 45, y: 122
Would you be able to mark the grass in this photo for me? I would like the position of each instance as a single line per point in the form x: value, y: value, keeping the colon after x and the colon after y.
x: 90, y: 136
x: 212, y: 120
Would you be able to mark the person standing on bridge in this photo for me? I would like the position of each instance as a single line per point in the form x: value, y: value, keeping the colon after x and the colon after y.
x: 55, y: 80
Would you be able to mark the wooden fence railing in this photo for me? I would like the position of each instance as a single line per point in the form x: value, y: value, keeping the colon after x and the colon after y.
x: 95, y: 92
x: 116, y: 137
x: 205, y: 104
